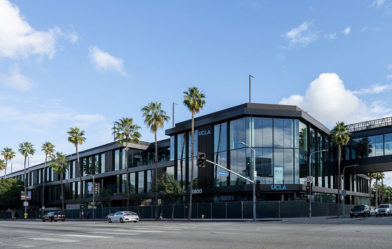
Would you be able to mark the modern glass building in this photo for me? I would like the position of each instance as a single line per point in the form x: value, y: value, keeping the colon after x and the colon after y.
x: 282, y: 137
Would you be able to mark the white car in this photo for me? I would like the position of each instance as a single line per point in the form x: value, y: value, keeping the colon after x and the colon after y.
x: 384, y: 209
x: 123, y: 216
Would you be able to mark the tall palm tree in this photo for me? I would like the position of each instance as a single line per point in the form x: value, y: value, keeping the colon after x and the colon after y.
x: 48, y: 148
x: 378, y: 177
x: 2, y: 164
x: 59, y: 164
x: 340, y: 137
x: 26, y: 149
x: 155, y: 118
x: 371, y: 177
x: 194, y: 101
x: 76, y: 137
x: 125, y: 131
x: 8, y: 155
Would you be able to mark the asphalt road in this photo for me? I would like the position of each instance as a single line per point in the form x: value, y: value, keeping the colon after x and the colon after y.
x: 374, y: 232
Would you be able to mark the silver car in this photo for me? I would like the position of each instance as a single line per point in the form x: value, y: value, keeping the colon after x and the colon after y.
x: 384, y: 209
x: 123, y: 216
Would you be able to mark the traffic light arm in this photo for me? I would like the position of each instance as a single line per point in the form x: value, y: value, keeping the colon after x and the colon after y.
x: 253, y: 182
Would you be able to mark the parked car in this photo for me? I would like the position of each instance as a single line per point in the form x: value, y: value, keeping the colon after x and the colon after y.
x: 123, y: 216
x: 107, y: 216
x: 360, y: 210
x: 384, y: 209
x: 53, y: 216
x: 372, y: 211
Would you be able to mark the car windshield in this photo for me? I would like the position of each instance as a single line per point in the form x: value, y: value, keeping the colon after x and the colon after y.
x: 383, y: 206
x: 360, y: 207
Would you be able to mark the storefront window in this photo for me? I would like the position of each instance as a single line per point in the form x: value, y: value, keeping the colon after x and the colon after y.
x: 141, y: 182
x: 239, y: 163
x: 221, y: 159
x: 220, y: 137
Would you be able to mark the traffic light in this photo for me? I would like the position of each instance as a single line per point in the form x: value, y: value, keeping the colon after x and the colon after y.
x: 308, y: 189
x: 258, y: 188
x: 201, y: 159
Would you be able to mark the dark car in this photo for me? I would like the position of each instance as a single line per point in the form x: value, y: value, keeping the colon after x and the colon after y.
x: 360, y: 210
x: 53, y: 216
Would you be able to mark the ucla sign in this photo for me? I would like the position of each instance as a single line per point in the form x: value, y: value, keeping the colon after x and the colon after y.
x: 278, y: 187
x: 204, y: 133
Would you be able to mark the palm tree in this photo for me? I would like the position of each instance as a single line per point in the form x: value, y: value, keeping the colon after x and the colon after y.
x: 155, y: 118
x: 59, y: 164
x: 125, y: 131
x: 378, y: 177
x: 194, y: 101
x: 48, y: 148
x: 2, y: 164
x: 76, y: 137
x: 8, y: 155
x: 340, y: 137
x: 26, y: 149
x: 371, y: 177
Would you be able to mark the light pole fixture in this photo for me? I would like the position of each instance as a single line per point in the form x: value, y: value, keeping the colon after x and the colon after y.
x: 250, y: 83
x: 344, y: 196
x: 93, y: 194
x: 252, y: 177
x: 173, y: 112
x: 310, y: 183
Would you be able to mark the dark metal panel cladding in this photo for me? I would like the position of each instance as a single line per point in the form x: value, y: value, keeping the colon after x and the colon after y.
x: 109, y: 161
x: 205, y: 144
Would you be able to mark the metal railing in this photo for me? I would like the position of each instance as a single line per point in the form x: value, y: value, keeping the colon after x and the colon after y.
x: 372, y: 124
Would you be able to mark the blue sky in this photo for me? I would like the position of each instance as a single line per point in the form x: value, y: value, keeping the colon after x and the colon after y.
x: 89, y: 63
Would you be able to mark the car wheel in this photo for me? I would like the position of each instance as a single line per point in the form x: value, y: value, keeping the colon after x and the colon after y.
x: 55, y: 220
x: 63, y: 220
x: 43, y: 220
x: 110, y: 220
x: 51, y: 220
x: 135, y: 221
x: 121, y: 220
x: 351, y: 216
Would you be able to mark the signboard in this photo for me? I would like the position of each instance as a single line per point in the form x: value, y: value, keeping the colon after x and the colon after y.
x: 25, y: 204
x: 91, y: 189
x: 223, y: 173
x: 23, y: 197
x: 309, y: 179
x: 278, y: 175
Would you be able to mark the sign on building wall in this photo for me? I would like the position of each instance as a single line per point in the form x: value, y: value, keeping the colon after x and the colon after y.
x: 91, y: 189
x: 278, y: 175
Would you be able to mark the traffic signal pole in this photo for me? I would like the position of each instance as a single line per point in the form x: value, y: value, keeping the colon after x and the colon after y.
x: 246, y: 179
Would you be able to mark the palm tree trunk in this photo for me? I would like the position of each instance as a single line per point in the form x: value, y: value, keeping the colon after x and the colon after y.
x: 43, y: 186
x: 370, y: 190
x: 126, y: 165
x: 80, y: 183
x: 156, y: 174
x: 339, y: 177
x: 62, y: 192
x: 377, y: 192
x: 192, y: 152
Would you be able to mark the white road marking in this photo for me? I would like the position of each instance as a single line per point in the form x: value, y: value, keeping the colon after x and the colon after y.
x: 113, y: 233
x: 56, y: 240
x: 87, y: 236
x: 130, y: 230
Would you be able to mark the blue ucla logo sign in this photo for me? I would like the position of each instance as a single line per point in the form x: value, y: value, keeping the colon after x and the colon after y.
x: 278, y: 187
x: 204, y: 133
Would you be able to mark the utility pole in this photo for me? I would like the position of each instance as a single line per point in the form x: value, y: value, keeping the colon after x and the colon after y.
x: 173, y: 112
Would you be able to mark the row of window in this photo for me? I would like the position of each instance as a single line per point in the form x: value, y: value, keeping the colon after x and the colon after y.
x: 379, y: 145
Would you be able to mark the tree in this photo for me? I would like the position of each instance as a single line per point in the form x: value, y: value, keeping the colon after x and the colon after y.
x: 76, y: 137
x: 131, y: 196
x: 340, y: 137
x: 10, y: 195
x: 125, y: 131
x: 155, y: 118
x: 170, y: 190
x: 59, y: 164
x: 8, y: 155
x: 194, y: 101
x: 105, y: 197
x: 364, y: 147
x: 48, y: 149
x: 371, y: 177
x: 2, y: 165
x: 378, y: 177
x: 26, y: 149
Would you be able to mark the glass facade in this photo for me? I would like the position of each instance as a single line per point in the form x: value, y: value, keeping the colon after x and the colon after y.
x: 372, y: 146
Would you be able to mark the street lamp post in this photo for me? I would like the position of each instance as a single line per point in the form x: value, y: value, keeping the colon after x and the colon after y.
x: 93, y: 194
x: 310, y: 188
x: 389, y: 197
x: 344, y: 196
x: 173, y: 112
x: 25, y: 182
x: 250, y: 83
x: 252, y: 177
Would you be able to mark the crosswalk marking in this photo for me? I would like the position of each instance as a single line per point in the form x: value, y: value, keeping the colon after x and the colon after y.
x: 114, y: 233
x: 87, y: 236
x: 55, y: 240
x: 130, y: 230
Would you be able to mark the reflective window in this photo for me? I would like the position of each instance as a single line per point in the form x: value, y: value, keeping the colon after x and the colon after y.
x: 132, y: 181
x: 303, y: 136
x: 124, y: 183
x: 278, y: 133
x: 388, y: 144
x: 262, y: 135
x: 221, y: 159
x: 116, y: 159
x: 102, y: 161
x: 170, y: 171
x: 283, y: 166
x: 239, y: 133
x: 141, y: 182
x: 220, y: 137
x: 122, y: 165
x: 195, y: 148
x: 172, y: 147
x: 181, y: 163
x: 85, y: 167
x: 379, y: 145
x: 96, y: 168
x: 239, y: 163
x: 149, y: 180
x: 264, y: 165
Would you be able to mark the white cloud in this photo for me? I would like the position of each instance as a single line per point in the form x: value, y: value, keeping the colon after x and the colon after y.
x: 378, y: 3
x: 347, y: 31
x: 301, y: 36
x: 16, y: 80
x: 389, y: 76
x: 367, y: 28
x: 331, y: 37
x: 389, y: 67
x: 329, y: 101
x: 103, y: 61
x: 373, y: 89
x: 281, y: 57
x: 19, y: 39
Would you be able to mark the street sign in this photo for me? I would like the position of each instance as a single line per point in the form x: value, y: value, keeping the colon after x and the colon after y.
x: 25, y: 203
x: 223, y: 173
x: 255, y: 173
x: 309, y: 179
